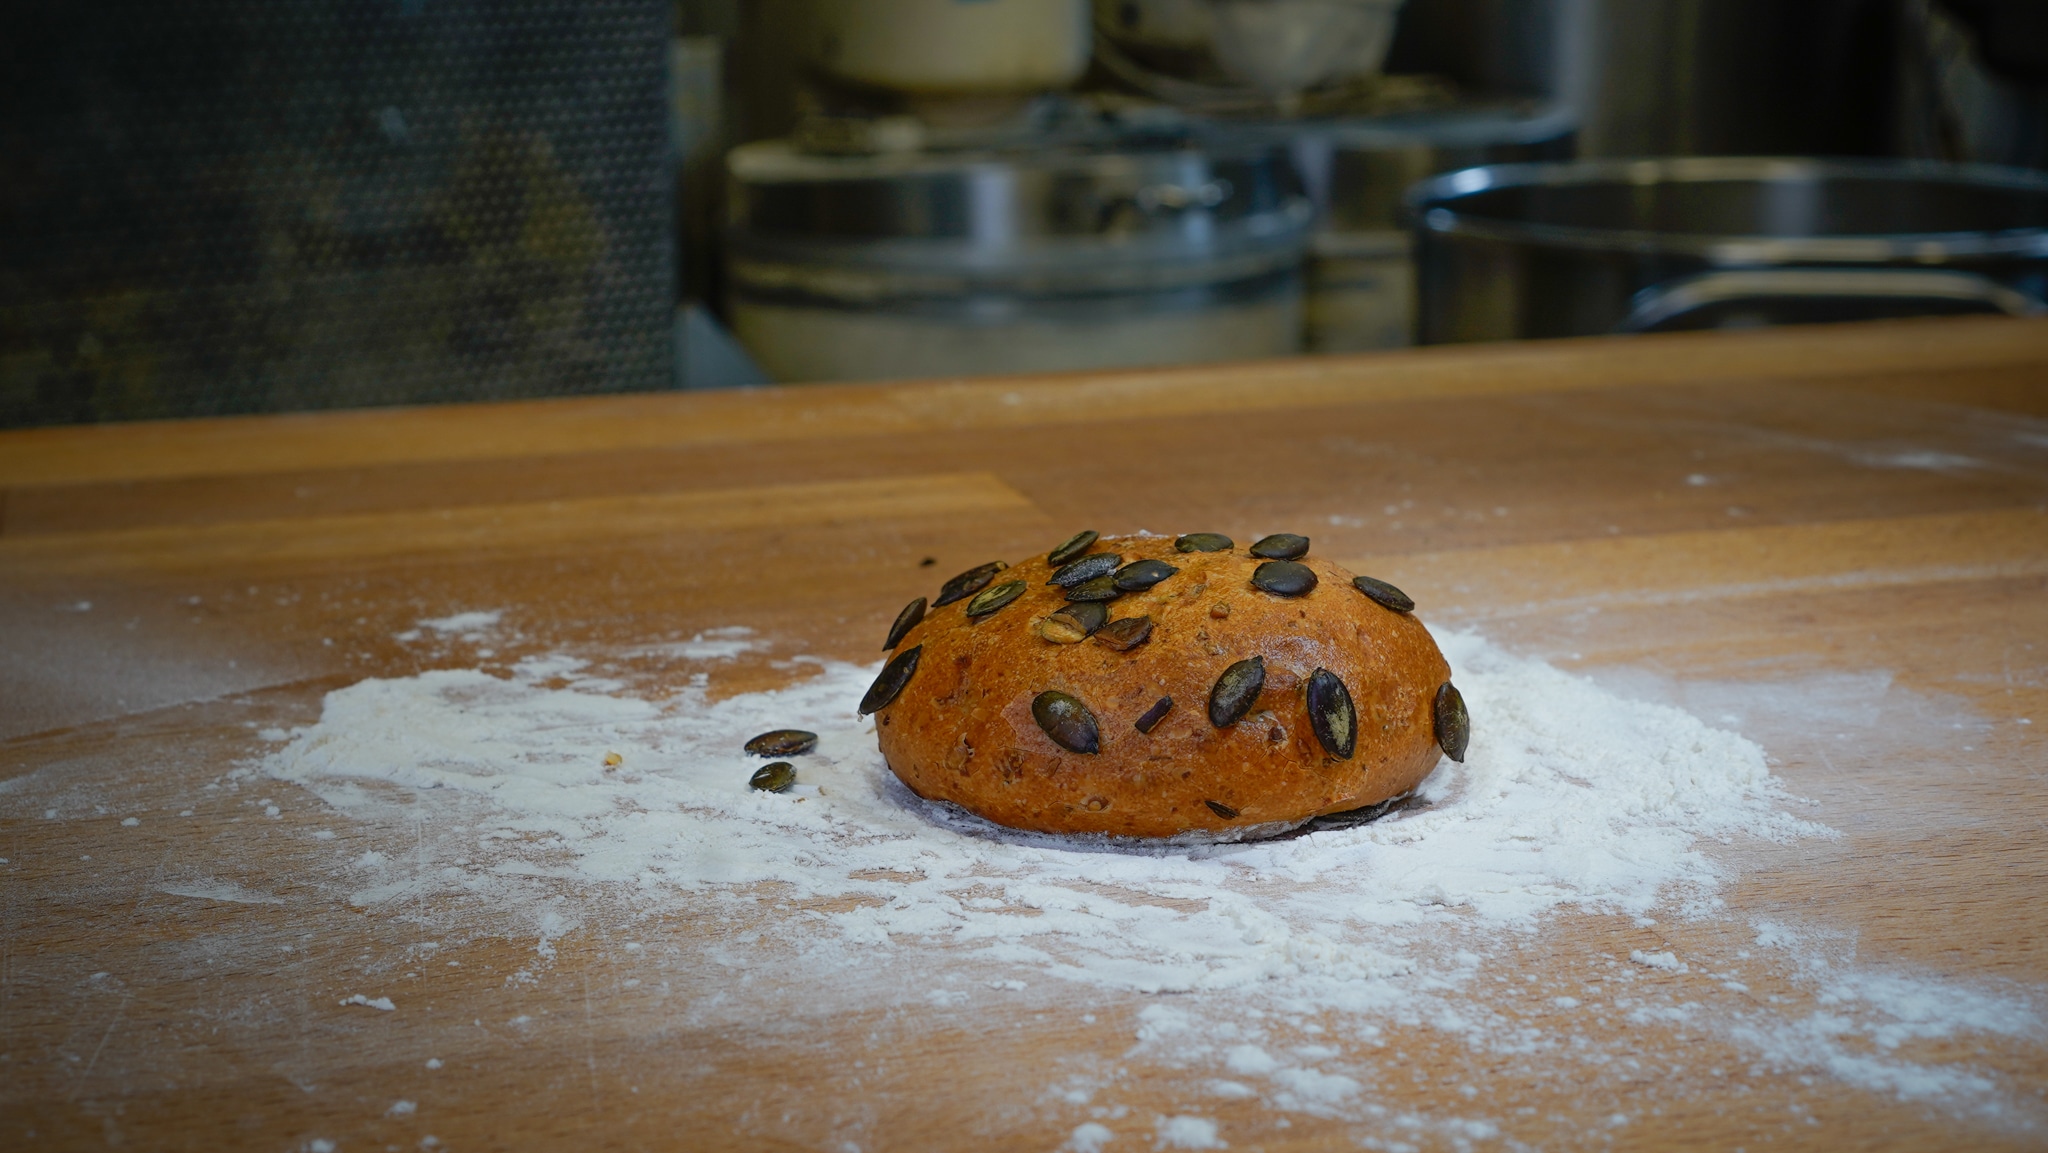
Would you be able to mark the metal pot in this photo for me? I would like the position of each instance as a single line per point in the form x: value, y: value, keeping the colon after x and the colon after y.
x: 1536, y: 250
x: 927, y: 264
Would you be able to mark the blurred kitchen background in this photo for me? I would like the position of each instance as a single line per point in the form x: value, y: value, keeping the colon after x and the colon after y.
x: 228, y: 206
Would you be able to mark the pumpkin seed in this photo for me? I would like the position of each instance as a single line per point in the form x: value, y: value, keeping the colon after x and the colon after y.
x: 1203, y: 542
x: 1453, y: 723
x: 783, y: 743
x: 1222, y: 810
x: 1075, y: 545
x: 1351, y: 818
x: 1102, y: 588
x: 1126, y: 634
x: 968, y: 583
x: 1074, y: 622
x: 1060, y: 630
x: 1236, y: 691
x: 990, y: 599
x: 905, y: 621
x: 1281, y: 546
x: 1087, y: 568
x: 1067, y: 721
x: 1331, y: 715
x: 890, y: 681
x: 1155, y: 714
x: 1384, y: 593
x: 774, y: 778
x: 1284, y: 578
x: 1143, y: 574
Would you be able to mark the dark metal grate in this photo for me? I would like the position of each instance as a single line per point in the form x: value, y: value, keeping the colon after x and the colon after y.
x: 231, y: 206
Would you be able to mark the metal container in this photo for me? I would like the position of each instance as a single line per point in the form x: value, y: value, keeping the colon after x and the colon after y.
x: 937, y: 264
x: 1361, y: 268
x: 1263, y: 58
x: 1537, y: 250
x: 1274, y: 47
x: 1508, y: 67
x: 945, y: 46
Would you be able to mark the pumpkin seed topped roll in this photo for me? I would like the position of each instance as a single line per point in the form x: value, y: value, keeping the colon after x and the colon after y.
x: 1230, y: 693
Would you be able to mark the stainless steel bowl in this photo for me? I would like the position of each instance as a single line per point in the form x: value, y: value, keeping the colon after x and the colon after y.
x: 937, y: 263
x: 1536, y: 250
x: 1053, y: 220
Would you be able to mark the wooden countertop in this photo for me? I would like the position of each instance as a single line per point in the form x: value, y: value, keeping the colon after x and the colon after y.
x: 1855, y: 515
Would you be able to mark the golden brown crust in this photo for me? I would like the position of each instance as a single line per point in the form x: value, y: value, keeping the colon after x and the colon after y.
x: 962, y: 730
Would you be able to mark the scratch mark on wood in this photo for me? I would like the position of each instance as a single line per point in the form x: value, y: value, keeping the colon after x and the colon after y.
x: 78, y: 1086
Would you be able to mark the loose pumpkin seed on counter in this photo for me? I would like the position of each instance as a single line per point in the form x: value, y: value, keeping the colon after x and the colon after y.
x: 1126, y: 634
x: 1204, y: 542
x: 775, y: 778
x: 783, y: 743
x: 1072, y: 547
x: 1284, y: 578
x: 905, y: 621
x: 1067, y: 721
x: 1142, y: 574
x: 1086, y: 569
x: 1074, y: 622
x: 968, y: 583
x: 1384, y: 593
x: 1281, y: 546
x: 891, y: 680
x: 990, y: 599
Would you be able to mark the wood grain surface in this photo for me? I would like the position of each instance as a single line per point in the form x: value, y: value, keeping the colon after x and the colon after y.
x: 1834, y: 540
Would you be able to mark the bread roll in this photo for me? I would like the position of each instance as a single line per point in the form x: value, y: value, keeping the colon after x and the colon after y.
x: 1293, y: 693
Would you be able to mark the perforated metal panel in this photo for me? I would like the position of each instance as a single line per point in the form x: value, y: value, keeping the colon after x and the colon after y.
x: 227, y: 206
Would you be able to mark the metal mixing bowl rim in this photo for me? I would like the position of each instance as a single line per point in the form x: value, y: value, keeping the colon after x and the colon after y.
x: 1433, y: 203
x: 768, y: 163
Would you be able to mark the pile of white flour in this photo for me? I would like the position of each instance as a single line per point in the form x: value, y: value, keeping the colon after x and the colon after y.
x: 1568, y: 795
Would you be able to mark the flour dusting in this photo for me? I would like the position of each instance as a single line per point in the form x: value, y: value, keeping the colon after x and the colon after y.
x: 1568, y: 796
x: 471, y: 623
x: 1571, y: 796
